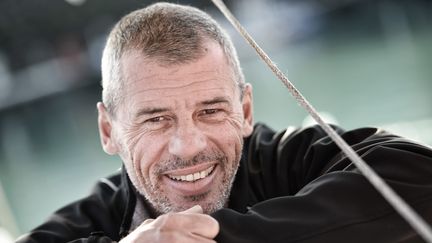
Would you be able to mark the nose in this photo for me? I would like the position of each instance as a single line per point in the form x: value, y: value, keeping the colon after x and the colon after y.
x: 187, y: 141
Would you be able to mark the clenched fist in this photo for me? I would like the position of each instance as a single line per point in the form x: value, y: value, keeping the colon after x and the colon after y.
x: 189, y: 226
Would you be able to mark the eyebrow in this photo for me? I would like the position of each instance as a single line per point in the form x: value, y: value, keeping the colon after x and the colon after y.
x: 155, y: 110
x: 215, y: 100
x: 150, y: 111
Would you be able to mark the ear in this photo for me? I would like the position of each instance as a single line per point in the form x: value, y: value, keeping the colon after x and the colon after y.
x: 108, y: 142
x: 247, y: 110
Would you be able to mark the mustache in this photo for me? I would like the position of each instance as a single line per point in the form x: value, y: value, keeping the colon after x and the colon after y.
x: 175, y: 162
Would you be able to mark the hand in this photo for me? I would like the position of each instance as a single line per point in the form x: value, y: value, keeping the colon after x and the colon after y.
x: 188, y: 226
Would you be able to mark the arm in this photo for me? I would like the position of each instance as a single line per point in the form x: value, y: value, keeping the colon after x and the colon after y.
x: 102, y: 218
x: 307, y: 191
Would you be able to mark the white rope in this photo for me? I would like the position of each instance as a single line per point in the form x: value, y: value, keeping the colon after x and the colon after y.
x: 418, y: 224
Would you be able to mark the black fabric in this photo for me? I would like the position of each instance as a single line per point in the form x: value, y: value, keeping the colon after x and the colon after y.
x: 289, y: 188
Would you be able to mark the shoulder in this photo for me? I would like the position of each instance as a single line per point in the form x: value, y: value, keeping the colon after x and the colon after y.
x: 307, y: 138
x: 296, y: 156
x: 108, y: 186
x: 265, y: 140
x: 101, y: 211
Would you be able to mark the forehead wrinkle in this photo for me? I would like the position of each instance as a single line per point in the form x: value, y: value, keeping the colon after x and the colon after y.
x: 174, y: 87
x: 155, y: 76
x: 174, y: 95
x: 197, y: 90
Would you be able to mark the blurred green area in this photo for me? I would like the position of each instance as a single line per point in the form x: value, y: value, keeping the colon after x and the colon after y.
x: 49, y: 148
x: 367, y: 82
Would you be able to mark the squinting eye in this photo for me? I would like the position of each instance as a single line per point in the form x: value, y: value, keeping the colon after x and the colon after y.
x: 156, y: 119
x: 156, y: 123
x: 209, y: 111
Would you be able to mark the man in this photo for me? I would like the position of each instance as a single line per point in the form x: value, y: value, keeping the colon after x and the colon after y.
x: 178, y: 112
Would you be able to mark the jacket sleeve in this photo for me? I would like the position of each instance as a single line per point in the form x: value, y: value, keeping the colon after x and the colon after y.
x: 89, y: 220
x: 305, y: 190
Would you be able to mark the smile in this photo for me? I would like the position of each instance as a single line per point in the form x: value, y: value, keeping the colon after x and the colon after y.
x: 192, y: 177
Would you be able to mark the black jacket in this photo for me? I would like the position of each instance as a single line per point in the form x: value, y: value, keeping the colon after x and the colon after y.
x: 293, y: 186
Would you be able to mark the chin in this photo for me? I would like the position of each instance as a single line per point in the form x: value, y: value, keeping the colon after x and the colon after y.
x: 209, y: 205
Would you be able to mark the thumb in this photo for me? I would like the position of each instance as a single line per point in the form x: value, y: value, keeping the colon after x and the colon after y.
x: 194, y: 209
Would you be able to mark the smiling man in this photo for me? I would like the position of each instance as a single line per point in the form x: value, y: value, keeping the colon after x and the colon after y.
x: 177, y: 110
x: 180, y: 128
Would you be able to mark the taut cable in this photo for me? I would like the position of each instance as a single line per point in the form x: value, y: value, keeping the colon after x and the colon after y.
x: 418, y: 224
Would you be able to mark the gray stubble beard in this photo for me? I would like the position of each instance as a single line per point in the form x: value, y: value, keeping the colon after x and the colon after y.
x: 162, y: 204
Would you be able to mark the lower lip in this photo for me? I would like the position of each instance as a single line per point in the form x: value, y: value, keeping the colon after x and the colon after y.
x: 186, y: 188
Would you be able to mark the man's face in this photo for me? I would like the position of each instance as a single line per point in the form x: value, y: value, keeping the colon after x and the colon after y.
x: 180, y: 130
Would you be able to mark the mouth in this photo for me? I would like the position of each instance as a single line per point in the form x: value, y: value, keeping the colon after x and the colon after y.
x: 192, y: 180
x: 192, y: 177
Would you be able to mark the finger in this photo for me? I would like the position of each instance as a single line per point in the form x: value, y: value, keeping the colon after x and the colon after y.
x: 199, y: 224
x: 183, y: 237
x: 199, y: 239
x: 194, y: 209
x: 147, y: 224
x: 175, y: 226
x: 147, y: 221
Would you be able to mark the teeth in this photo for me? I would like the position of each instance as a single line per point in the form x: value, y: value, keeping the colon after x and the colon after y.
x: 193, y: 177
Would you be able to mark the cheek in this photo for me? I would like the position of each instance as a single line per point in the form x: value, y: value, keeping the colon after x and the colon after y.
x: 145, y: 156
x: 236, y: 129
x: 231, y: 139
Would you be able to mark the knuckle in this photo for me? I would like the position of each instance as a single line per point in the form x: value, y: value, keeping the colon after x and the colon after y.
x: 216, y: 226
x: 212, y: 226
x: 168, y: 220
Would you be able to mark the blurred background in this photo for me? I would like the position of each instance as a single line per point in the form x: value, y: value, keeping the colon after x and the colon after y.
x: 360, y: 63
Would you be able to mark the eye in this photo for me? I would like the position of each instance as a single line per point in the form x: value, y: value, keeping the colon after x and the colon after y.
x: 156, y: 119
x: 213, y: 114
x: 210, y: 111
x: 157, y: 123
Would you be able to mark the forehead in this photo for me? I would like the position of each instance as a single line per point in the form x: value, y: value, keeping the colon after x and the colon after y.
x: 147, y: 80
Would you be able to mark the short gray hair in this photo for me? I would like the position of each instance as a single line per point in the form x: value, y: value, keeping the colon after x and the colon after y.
x: 171, y: 34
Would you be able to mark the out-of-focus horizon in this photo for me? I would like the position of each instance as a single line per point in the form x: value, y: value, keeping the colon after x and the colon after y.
x: 360, y: 63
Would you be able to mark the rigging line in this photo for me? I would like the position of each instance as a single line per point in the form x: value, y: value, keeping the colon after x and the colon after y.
x: 417, y: 223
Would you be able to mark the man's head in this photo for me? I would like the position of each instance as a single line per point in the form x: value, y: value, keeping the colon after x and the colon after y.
x: 175, y: 106
x: 168, y: 33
